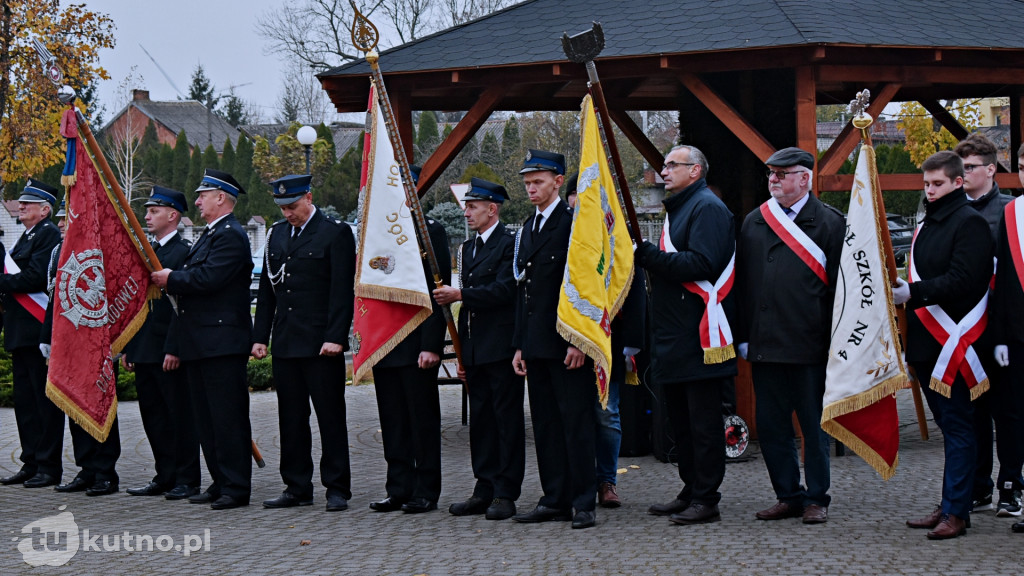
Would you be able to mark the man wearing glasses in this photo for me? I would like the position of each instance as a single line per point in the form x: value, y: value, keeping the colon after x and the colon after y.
x: 786, y: 266
x: 979, y: 156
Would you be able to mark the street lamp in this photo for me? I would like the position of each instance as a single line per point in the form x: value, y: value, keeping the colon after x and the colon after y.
x: 306, y: 136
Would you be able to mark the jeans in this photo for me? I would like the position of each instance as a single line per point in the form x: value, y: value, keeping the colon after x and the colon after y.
x: 609, y: 436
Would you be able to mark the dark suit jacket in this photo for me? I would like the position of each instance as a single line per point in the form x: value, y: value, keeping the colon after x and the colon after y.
x: 783, y: 310
x: 313, y: 303
x: 152, y: 341
x: 32, y: 254
x: 1006, y: 309
x: 428, y: 336
x: 543, y: 260
x: 487, y: 318
x: 213, y: 289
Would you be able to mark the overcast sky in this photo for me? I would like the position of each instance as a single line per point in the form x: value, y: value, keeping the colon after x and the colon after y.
x: 179, y: 34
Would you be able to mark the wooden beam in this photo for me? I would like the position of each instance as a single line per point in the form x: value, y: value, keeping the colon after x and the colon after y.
x: 939, y: 112
x: 458, y: 138
x: 867, y: 73
x: 400, y: 103
x: 1016, y: 130
x: 806, y: 113
x: 728, y: 115
x: 848, y: 138
x: 637, y: 137
x: 844, y: 182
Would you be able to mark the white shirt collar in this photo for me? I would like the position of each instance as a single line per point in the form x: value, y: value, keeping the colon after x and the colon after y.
x: 546, y: 213
x: 798, y: 205
x: 487, y: 233
x: 163, y: 241
x: 214, y: 223
x: 303, y: 227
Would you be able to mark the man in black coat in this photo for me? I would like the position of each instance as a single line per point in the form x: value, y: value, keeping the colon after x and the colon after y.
x: 407, y: 402
x: 979, y: 156
x: 304, y: 308
x: 692, y: 367
x: 561, y: 377
x: 40, y: 421
x: 950, y: 268
x: 164, y: 405
x: 784, y: 321
x: 213, y: 328
x: 487, y: 291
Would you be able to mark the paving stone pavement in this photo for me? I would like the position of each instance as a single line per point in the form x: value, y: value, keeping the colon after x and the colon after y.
x: 865, y: 533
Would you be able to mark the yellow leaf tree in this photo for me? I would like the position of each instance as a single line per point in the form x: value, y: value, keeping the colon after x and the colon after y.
x: 924, y: 134
x: 29, y: 110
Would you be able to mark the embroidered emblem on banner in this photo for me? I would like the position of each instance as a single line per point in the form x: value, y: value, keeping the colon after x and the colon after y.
x: 82, y: 293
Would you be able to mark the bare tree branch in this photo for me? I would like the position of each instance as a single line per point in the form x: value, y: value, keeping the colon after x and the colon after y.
x: 316, y: 32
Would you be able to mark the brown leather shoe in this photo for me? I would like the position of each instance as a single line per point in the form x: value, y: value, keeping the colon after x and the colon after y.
x: 781, y: 510
x: 815, y: 514
x: 949, y: 527
x: 606, y: 496
x: 930, y: 521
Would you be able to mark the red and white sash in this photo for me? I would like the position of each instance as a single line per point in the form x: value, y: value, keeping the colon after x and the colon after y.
x: 797, y: 240
x: 35, y: 302
x: 956, y: 338
x: 1014, y: 215
x: 715, y: 332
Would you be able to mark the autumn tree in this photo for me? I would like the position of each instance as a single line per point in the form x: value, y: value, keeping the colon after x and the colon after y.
x: 122, y: 142
x: 925, y: 136
x: 29, y: 109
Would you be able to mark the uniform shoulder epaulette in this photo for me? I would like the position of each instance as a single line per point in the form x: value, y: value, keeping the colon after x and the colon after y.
x: 279, y: 222
x: 510, y: 233
x: 835, y: 210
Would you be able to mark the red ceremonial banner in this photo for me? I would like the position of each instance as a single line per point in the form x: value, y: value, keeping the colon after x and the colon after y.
x: 99, y: 303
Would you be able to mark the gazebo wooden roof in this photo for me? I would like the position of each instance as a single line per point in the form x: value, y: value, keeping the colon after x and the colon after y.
x: 745, y: 75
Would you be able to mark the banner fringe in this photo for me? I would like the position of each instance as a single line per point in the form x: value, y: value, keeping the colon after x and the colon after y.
x: 858, y: 446
x: 887, y: 387
x: 719, y: 355
x: 593, y: 352
x: 388, y: 294
x: 367, y: 365
x: 68, y: 181
x: 632, y: 379
x: 69, y: 407
x: 132, y: 328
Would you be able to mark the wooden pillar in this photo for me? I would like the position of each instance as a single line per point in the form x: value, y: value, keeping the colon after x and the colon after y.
x: 1016, y: 129
x: 806, y: 113
x: 460, y: 135
x: 402, y: 106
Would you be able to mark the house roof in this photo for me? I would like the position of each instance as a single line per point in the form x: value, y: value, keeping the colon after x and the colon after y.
x: 529, y: 32
x: 201, y: 126
x: 346, y: 134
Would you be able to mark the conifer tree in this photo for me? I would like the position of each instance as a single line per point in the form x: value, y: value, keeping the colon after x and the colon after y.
x: 182, y: 157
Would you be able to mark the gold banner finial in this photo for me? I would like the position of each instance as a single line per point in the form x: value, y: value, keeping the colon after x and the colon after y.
x: 858, y: 107
x: 364, y: 33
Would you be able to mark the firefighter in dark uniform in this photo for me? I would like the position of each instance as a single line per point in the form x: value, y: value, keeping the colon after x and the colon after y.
x: 559, y: 376
x: 213, y: 328
x: 305, y: 305
x: 40, y: 422
x: 159, y: 379
x: 486, y: 321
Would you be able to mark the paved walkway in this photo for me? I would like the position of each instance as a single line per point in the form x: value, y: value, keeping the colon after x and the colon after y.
x: 865, y: 534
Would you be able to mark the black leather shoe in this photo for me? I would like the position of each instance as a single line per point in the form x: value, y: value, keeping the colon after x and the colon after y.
x: 181, y: 491
x: 102, y: 488
x: 151, y: 489
x: 674, y: 507
x: 1018, y: 527
x: 418, y: 506
x: 697, y: 514
x: 543, y: 514
x: 474, y: 505
x: 336, y: 503
x: 226, y: 502
x: 388, y: 504
x: 41, y: 480
x: 500, y: 509
x: 287, y: 500
x: 18, y: 477
x: 201, y: 498
x: 79, y: 484
x: 584, y: 519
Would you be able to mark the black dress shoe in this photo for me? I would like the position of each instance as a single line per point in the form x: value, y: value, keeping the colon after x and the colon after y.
x: 287, y: 500
x: 584, y: 519
x: 543, y: 514
x: 418, y: 506
x: 202, y: 498
x: 674, y: 507
x: 388, y: 504
x: 474, y: 505
x: 697, y: 513
x: 79, y: 484
x: 336, y: 503
x: 181, y: 491
x: 151, y: 489
x: 102, y: 488
x: 226, y: 502
x: 41, y: 480
x: 18, y: 477
x: 1018, y: 527
x: 500, y: 509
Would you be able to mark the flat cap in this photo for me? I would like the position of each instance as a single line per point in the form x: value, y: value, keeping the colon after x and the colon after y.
x: 791, y: 157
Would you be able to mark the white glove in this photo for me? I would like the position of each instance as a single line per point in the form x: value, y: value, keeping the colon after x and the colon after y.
x: 45, y: 350
x: 900, y: 292
x: 742, y: 347
x: 630, y: 351
x: 1002, y: 354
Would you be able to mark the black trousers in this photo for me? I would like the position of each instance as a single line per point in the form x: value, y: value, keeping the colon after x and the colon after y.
x: 1004, y: 404
x: 410, y: 423
x: 220, y: 403
x: 497, y: 437
x: 167, y: 417
x: 96, y: 459
x: 322, y: 380
x: 40, y: 421
x: 562, y: 408
x: 695, y: 409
